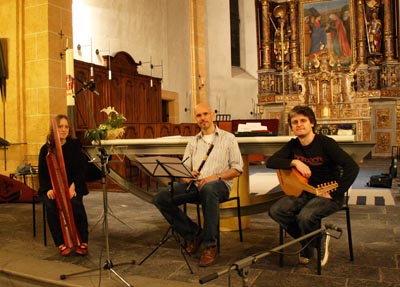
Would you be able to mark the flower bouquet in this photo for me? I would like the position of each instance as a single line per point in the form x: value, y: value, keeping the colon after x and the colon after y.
x: 112, y: 128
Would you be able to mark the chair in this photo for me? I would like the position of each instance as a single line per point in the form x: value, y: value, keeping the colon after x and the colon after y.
x: 239, y: 216
x: 345, y: 208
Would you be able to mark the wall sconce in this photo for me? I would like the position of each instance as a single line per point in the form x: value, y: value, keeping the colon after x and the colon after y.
x: 109, y: 61
x: 79, y: 48
x: 62, y: 53
x: 157, y: 66
x: 151, y: 70
x: 201, y: 82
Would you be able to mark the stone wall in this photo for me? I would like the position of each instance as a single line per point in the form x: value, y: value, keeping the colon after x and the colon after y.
x: 36, y: 33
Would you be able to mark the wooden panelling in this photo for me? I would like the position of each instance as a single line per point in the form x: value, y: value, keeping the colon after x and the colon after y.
x: 176, y: 129
x: 225, y: 125
x: 132, y: 131
x: 165, y: 130
x: 137, y: 97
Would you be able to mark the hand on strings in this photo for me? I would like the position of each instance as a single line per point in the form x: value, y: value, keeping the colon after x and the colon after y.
x: 51, y: 194
x: 72, y: 192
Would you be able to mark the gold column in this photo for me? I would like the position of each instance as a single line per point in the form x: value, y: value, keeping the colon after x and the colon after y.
x: 265, y: 31
x: 361, y: 36
x: 387, y: 30
x: 294, y: 53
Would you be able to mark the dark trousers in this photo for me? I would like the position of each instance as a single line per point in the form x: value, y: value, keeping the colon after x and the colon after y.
x: 53, y: 220
x: 302, y: 215
x: 209, y: 197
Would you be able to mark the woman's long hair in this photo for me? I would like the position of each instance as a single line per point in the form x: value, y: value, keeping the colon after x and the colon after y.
x: 71, y: 132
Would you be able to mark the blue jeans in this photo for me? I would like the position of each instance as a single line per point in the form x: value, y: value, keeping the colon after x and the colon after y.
x: 302, y: 215
x: 209, y: 196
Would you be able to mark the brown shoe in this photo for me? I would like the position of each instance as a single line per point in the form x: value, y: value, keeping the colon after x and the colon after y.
x: 194, y: 245
x: 209, y: 256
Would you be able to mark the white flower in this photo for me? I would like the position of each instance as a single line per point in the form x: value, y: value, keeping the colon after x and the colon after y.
x: 103, y: 127
x: 109, y: 110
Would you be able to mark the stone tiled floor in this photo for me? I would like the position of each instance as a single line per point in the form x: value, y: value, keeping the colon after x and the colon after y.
x: 135, y: 227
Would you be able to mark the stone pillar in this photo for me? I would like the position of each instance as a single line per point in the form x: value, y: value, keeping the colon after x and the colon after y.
x: 36, y: 82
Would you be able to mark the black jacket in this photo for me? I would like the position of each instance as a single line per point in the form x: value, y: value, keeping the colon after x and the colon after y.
x: 327, y: 161
x: 75, y: 165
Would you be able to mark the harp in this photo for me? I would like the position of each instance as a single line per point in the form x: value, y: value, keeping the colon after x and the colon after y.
x: 58, y: 177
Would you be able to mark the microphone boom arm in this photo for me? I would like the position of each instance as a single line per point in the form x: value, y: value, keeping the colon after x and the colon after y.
x: 91, y: 86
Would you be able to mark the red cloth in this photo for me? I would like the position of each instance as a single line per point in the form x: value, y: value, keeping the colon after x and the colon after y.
x: 342, y: 37
x: 12, y: 190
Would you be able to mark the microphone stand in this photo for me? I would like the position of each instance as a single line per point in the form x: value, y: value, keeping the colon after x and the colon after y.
x: 242, y: 266
x: 104, y: 159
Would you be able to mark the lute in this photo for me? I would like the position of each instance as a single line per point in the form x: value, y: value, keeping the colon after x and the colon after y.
x: 293, y: 183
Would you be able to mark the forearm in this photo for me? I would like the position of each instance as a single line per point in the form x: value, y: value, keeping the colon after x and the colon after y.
x: 281, y: 159
x: 228, y: 174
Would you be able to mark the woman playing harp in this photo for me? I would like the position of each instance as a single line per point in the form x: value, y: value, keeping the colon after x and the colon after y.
x: 74, y: 162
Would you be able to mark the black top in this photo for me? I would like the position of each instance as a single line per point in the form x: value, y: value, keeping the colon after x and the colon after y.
x: 75, y: 165
x: 327, y: 161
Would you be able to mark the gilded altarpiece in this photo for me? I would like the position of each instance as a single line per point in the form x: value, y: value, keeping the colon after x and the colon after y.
x: 336, y: 56
x: 383, y: 116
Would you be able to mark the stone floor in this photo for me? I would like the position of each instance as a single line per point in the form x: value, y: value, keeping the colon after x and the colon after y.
x: 135, y: 228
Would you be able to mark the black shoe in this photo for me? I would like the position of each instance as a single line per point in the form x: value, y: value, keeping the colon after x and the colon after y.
x: 324, y: 248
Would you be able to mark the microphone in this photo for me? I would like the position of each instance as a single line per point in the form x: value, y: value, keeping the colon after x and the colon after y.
x: 92, y: 87
x: 333, y: 227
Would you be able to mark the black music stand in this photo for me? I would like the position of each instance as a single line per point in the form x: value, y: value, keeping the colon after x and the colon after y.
x: 173, y: 168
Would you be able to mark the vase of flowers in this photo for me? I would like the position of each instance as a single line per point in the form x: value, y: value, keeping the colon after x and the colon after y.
x: 111, y: 128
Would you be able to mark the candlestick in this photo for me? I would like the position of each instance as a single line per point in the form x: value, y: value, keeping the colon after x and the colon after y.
x: 69, y: 71
x: 69, y: 62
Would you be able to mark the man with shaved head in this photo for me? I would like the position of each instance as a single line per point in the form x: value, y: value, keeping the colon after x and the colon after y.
x: 214, y: 158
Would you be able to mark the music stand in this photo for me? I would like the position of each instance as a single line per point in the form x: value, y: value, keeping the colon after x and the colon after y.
x: 173, y: 168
